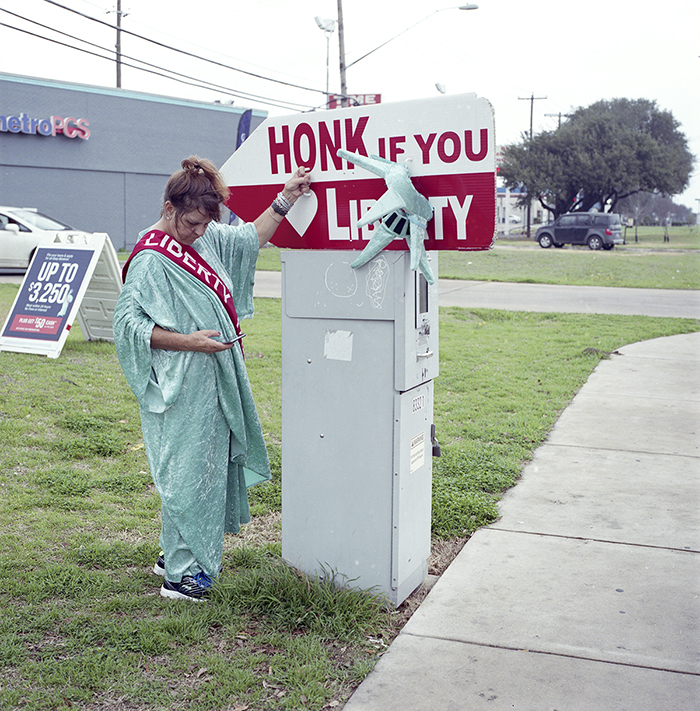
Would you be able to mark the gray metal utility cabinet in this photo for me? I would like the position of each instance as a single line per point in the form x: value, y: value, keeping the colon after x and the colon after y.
x: 360, y: 351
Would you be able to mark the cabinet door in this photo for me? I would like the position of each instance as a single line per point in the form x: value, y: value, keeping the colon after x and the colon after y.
x: 413, y: 469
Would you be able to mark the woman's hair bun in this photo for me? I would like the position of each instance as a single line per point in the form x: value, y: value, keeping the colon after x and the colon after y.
x: 194, y: 165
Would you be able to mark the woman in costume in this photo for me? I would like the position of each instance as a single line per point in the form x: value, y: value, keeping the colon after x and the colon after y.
x: 178, y: 339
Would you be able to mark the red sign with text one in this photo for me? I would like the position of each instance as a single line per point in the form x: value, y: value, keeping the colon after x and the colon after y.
x: 335, y: 101
x: 446, y: 143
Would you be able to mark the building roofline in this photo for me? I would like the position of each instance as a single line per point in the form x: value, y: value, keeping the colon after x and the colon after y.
x: 126, y: 94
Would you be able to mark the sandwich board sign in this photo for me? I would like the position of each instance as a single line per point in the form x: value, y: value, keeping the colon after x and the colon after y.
x: 65, y: 280
x: 447, y: 144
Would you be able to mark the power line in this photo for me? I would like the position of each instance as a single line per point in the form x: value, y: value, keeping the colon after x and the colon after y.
x: 196, y: 83
x: 182, y: 51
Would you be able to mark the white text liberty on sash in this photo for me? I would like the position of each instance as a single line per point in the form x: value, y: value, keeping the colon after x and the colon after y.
x: 188, y: 262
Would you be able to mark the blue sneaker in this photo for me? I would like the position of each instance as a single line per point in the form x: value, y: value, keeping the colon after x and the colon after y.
x: 188, y: 588
x: 159, y: 567
x: 203, y: 580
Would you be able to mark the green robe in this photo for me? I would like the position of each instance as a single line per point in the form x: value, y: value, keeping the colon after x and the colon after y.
x: 201, y: 430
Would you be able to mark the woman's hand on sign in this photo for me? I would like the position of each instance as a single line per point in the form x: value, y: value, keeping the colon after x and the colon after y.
x: 298, y: 185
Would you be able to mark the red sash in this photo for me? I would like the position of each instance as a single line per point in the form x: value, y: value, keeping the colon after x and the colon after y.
x: 192, y: 262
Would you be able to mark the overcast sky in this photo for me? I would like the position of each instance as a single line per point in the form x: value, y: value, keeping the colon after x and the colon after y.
x: 572, y: 53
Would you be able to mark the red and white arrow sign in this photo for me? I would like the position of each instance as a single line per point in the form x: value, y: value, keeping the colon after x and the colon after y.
x: 447, y: 143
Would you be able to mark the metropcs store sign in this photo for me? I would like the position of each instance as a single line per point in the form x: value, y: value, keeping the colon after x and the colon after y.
x: 51, y: 126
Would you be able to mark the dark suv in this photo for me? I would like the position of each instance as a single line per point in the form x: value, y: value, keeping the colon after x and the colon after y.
x: 599, y: 230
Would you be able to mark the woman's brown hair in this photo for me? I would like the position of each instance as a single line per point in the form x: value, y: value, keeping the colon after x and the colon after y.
x: 198, y: 186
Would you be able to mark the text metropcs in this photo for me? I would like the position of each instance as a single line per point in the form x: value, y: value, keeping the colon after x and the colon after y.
x: 52, y: 126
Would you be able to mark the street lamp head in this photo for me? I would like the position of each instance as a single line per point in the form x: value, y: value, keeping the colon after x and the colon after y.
x: 325, y: 24
x: 469, y: 6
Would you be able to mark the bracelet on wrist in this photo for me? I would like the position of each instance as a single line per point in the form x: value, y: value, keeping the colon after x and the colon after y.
x: 279, y: 210
x: 281, y: 205
x: 274, y: 212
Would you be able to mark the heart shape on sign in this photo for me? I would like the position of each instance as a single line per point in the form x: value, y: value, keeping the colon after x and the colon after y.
x: 303, y: 212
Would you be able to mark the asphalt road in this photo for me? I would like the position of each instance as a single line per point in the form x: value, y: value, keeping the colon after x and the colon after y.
x: 544, y: 298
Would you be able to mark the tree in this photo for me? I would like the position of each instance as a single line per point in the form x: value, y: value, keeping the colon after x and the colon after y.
x: 652, y: 208
x: 603, y: 153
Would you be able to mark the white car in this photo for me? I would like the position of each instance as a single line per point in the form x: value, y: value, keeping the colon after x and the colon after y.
x: 22, y: 230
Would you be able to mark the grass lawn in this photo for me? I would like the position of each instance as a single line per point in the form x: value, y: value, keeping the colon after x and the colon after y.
x: 649, y: 263
x: 575, y: 266
x: 82, y: 625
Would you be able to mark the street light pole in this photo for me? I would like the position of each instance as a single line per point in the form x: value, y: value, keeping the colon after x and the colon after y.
x: 468, y: 6
x: 341, y: 49
x: 341, y: 40
x: 327, y: 26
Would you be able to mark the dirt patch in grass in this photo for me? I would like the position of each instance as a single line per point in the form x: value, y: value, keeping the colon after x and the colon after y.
x: 442, y: 553
x: 262, y: 530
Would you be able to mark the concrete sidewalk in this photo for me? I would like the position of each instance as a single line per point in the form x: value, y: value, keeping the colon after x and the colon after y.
x: 585, y: 594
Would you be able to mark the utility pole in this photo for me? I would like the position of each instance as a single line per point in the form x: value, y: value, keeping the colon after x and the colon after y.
x: 119, y: 14
x: 560, y: 114
x: 119, y: 44
x: 532, y: 98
